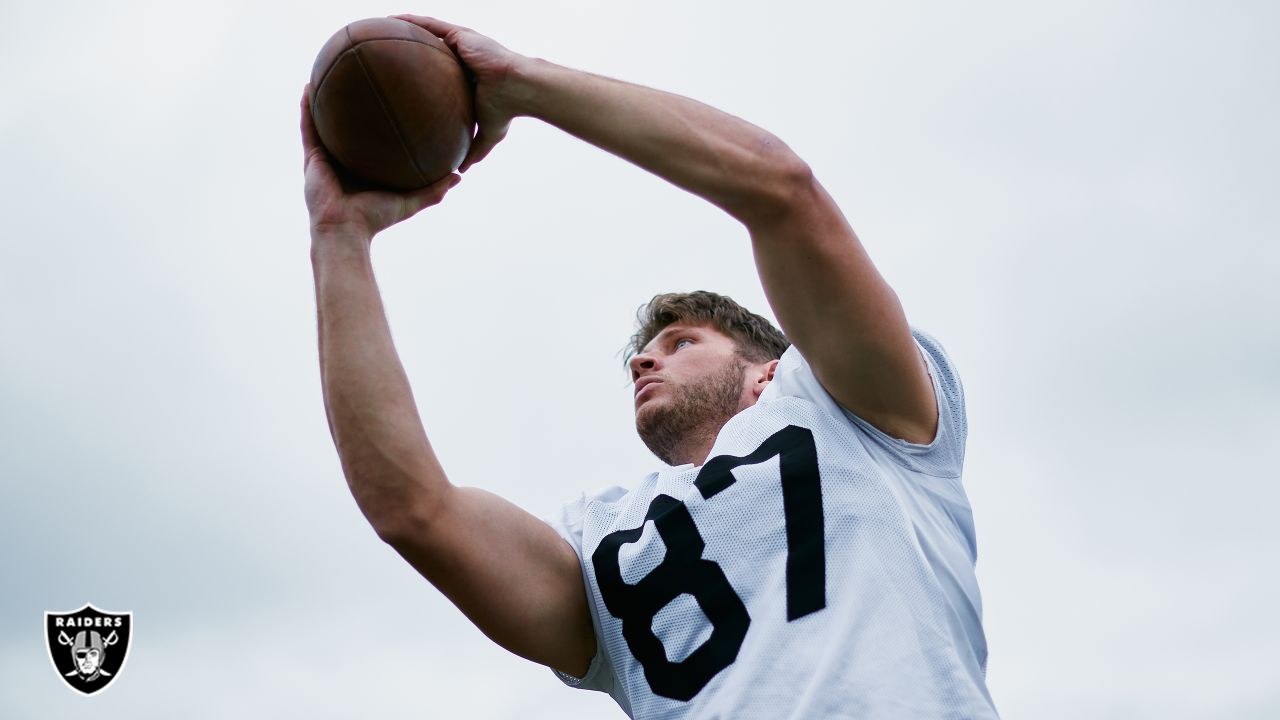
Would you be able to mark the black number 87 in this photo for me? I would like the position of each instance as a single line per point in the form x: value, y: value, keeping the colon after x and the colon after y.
x: 684, y: 570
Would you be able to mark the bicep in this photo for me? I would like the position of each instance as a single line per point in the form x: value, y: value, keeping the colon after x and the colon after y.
x: 510, y: 573
x: 845, y: 319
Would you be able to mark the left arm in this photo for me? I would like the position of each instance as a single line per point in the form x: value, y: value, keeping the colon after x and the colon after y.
x: 827, y: 294
x: 847, y: 322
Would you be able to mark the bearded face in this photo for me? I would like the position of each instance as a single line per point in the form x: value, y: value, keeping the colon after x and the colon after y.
x: 697, y: 405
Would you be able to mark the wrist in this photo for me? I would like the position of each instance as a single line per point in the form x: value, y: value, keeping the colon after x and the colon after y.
x: 332, y: 242
x: 525, y: 84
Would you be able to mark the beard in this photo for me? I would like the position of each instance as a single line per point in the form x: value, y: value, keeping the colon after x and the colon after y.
x: 691, y: 410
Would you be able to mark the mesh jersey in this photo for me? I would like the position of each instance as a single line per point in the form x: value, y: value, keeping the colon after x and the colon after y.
x: 813, y: 567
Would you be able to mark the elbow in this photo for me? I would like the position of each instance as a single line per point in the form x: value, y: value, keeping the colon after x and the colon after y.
x: 395, y: 531
x: 399, y: 524
x: 784, y: 184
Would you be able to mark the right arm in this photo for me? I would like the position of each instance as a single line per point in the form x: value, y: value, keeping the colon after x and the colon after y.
x: 508, y: 572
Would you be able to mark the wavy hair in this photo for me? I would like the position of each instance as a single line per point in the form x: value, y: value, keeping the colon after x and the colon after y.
x: 756, y: 339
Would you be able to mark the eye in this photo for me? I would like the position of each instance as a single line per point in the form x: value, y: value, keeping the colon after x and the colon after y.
x: 682, y: 340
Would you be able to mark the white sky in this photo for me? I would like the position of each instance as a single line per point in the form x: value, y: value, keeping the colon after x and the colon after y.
x: 1077, y: 198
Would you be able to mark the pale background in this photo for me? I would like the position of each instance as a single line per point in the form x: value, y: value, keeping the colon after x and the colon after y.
x: 1077, y: 198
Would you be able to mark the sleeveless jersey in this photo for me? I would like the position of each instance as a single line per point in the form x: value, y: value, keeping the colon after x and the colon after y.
x: 813, y: 567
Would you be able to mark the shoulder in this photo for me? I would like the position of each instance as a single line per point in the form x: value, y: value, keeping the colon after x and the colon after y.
x: 794, y: 378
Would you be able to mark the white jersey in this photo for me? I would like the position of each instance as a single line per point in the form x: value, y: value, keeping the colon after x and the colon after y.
x: 814, y: 567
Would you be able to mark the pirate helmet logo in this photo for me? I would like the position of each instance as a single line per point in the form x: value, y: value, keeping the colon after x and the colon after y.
x: 88, y: 647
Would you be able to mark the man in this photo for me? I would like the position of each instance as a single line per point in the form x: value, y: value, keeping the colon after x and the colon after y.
x: 808, y: 553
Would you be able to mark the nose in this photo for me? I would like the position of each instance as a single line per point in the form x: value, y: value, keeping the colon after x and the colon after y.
x: 641, y: 364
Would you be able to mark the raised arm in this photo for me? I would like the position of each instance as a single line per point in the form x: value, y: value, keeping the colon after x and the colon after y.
x: 828, y: 296
x: 509, y: 572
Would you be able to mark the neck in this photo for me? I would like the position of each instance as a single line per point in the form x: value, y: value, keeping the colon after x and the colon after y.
x: 695, y: 452
x: 696, y: 446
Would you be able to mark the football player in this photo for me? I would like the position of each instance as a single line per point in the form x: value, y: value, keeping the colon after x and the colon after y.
x: 807, y: 551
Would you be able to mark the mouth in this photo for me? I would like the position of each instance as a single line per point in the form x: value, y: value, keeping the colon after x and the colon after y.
x: 645, y: 384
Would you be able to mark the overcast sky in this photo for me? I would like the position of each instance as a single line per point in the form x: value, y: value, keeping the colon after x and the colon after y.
x: 1078, y: 199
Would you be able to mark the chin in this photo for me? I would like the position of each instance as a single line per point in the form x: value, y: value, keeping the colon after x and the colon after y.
x: 648, y: 412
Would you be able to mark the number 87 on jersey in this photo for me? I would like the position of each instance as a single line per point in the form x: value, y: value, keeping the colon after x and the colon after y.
x: 683, y: 570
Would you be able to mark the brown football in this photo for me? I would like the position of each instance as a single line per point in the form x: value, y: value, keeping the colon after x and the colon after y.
x: 391, y: 103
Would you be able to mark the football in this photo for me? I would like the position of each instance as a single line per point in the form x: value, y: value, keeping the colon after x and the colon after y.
x: 392, y: 103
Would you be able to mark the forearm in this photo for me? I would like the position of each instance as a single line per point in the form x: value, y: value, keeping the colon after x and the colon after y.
x: 741, y: 168
x: 386, y: 457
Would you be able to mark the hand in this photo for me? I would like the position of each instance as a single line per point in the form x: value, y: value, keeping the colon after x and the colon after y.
x: 491, y: 65
x: 363, y: 213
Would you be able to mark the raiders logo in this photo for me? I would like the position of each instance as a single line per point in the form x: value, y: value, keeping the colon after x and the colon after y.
x: 88, y: 646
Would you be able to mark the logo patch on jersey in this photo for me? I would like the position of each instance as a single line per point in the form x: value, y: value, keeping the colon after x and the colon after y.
x: 88, y: 647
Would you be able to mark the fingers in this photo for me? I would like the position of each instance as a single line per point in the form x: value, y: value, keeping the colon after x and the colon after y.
x: 309, y: 138
x: 430, y: 195
x: 447, y: 32
x: 485, y: 140
x: 311, y: 145
x: 436, y: 27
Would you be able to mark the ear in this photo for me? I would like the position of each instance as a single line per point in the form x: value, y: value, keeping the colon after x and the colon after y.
x: 764, y: 378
